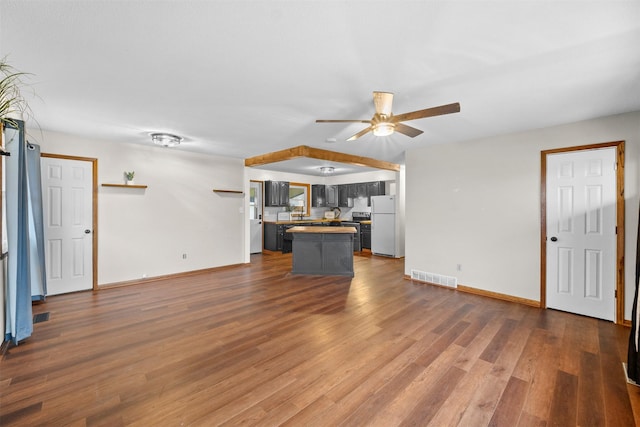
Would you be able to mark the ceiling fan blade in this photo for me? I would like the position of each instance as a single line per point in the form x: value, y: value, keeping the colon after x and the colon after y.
x: 407, y: 130
x: 343, y: 121
x: 359, y: 134
x: 383, y: 102
x: 429, y: 112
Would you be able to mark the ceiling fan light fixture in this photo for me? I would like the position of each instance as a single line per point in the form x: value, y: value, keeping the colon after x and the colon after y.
x: 384, y: 122
x: 383, y: 129
x: 327, y: 170
x: 166, y: 139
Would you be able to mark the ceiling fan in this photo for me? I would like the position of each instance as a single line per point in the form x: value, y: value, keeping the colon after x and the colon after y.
x: 384, y: 123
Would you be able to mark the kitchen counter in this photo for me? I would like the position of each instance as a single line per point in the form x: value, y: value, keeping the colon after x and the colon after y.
x: 322, y: 229
x: 307, y: 221
x: 322, y: 250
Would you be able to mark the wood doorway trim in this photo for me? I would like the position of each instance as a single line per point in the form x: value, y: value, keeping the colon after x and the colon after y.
x: 620, y: 288
x: 94, y: 219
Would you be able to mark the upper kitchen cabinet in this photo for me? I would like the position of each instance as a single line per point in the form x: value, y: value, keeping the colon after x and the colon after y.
x: 361, y: 189
x: 346, y: 193
x: 375, y: 188
x: 318, y: 196
x: 343, y: 195
x: 324, y: 196
x: 331, y: 193
x: 276, y: 193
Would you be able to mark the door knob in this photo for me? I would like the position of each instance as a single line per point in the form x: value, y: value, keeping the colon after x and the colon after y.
x: 87, y: 231
x: 554, y: 239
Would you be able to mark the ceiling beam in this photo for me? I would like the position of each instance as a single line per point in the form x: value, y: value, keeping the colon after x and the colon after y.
x: 276, y: 156
x: 317, y: 153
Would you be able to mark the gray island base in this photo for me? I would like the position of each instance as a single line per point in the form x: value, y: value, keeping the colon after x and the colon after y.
x: 323, y: 250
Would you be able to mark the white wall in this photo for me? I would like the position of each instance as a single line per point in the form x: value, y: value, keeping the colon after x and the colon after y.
x: 477, y: 203
x: 145, y: 232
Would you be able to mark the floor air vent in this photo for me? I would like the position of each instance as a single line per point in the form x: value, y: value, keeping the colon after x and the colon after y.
x: 42, y: 317
x: 436, y: 279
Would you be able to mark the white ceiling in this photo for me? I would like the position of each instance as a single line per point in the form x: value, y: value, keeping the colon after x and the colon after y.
x: 244, y: 78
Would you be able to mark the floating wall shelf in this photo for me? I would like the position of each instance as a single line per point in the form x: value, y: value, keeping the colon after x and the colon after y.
x: 228, y: 191
x: 124, y: 185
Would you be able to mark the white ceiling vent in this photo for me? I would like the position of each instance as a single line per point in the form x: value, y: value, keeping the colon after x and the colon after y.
x: 433, y: 278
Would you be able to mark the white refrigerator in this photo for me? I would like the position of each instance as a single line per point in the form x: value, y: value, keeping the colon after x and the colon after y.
x: 383, y: 225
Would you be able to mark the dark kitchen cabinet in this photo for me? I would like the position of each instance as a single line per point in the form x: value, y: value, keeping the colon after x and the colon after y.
x: 375, y: 188
x: 284, y: 193
x: 318, y: 196
x: 331, y: 195
x: 276, y: 193
x: 271, y: 193
x: 365, y: 233
x: 273, y: 236
x: 361, y: 189
x: 346, y: 194
x: 287, y: 238
x: 343, y: 195
x: 351, y: 191
x: 357, y: 239
x: 324, y: 196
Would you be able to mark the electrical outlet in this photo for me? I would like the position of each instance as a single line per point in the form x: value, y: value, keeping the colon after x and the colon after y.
x: 184, y: 256
x: 459, y: 267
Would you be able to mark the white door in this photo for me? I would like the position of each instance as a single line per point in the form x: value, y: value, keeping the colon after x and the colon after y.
x: 255, y: 217
x: 67, y: 188
x: 581, y: 232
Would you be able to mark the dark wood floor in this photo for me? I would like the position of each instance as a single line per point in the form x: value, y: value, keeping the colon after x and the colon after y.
x: 255, y: 345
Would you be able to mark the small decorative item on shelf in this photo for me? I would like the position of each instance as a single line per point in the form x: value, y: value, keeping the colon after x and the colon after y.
x: 129, y: 177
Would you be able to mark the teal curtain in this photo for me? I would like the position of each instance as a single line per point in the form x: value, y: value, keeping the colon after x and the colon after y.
x: 19, y: 323
x: 37, y: 276
x: 26, y: 279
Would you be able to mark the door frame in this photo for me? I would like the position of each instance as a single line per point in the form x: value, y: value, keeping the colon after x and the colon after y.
x: 619, y: 287
x: 94, y: 201
x: 261, y: 214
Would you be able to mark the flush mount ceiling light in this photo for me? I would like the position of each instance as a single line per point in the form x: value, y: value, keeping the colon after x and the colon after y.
x: 166, y: 139
x: 327, y: 170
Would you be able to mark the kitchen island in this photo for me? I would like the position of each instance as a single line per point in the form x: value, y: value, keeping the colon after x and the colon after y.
x: 322, y: 250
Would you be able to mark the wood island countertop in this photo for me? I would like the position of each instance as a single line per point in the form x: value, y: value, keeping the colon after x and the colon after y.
x: 322, y: 220
x: 322, y: 229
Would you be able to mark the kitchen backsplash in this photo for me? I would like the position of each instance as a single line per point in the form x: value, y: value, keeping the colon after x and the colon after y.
x: 359, y: 205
